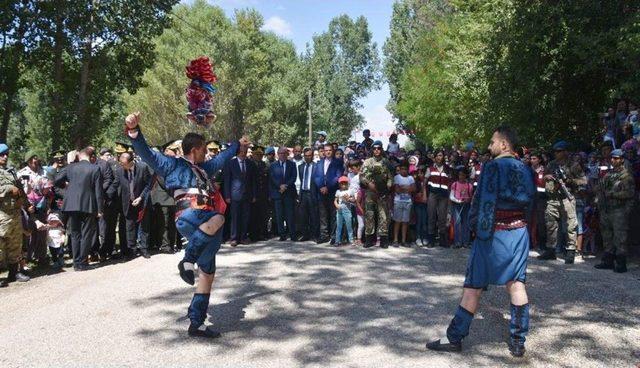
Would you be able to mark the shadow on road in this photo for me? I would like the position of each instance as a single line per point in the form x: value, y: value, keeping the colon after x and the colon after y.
x: 333, y: 300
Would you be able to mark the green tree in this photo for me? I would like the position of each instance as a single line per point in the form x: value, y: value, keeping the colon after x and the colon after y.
x: 342, y: 67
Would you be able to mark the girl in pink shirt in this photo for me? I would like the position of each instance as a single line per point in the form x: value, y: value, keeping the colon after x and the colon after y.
x: 460, y: 196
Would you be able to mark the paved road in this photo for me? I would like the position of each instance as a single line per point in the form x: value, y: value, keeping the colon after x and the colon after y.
x: 286, y: 305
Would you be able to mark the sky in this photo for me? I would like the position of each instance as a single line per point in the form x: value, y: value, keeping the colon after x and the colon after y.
x: 299, y: 20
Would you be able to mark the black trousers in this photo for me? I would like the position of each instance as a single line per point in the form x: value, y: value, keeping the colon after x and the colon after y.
x: 285, y: 211
x: 327, y: 217
x: 258, y: 219
x: 240, y: 212
x: 162, y: 227
x: 107, y: 230
x: 83, y: 230
x: 136, y: 233
x: 308, y: 216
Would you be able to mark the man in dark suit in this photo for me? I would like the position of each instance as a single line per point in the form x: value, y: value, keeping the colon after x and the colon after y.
x: 326, y: 174
x: 282, y: 190
x: 83, y: 205
x: 105, y: 244
x: 239, y: 191
x: 133, y: 182
x: 260, y: 208
x: 308, y: 207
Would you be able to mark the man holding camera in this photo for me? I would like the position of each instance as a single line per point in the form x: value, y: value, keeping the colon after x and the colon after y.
x: 562, y: 177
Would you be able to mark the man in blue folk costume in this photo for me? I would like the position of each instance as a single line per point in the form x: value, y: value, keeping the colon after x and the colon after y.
x: 199, y: 217
x: 499, y: 213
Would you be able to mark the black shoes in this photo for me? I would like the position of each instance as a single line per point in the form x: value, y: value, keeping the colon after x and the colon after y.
x: 83, y: 267
x: 570, y: 257
x: 145, y: 254
x: 384, y: 242
x: 283, y: 238
x: 606, y: 263
x: 206, y: 332
x: 621, y: 264
x: 187, y: 274
x: 447, y: 347
x: 517, y: 350
x: 547, y: 255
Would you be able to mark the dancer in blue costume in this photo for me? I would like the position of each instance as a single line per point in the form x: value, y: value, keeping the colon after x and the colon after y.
x: 197, y: 219
x: 499, y: 212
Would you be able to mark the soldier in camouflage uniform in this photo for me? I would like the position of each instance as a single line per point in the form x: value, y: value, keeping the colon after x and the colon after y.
x: 615, y: 202
x: 11, y: 199
x: 559, y: 206
x: 378, y: 180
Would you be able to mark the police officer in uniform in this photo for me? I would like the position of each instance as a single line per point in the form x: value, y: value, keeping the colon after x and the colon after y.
x: 378, y: 180
x: 615, y: 202
x: 561, y: 205
x: 12, y: 197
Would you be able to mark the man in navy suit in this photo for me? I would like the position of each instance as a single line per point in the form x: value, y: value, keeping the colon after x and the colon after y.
x: 308, y: 207
x: 326, y: 174
x: 239, y: 191
x: 282, y: 191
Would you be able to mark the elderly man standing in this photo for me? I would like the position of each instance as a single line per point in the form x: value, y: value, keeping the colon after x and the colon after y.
x: 83, y: 204
x: 283, y: 193
x: 11, y: 199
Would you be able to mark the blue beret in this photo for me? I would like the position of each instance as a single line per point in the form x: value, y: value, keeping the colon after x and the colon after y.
x: 270, y: 150
x: 3, y: 148
x: 322, y: 132
x: 561, y: 145
x: 617, y: 153
x: 377, y: 143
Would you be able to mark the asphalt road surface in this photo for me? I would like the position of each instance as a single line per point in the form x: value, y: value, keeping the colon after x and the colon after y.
x: 307, y: 305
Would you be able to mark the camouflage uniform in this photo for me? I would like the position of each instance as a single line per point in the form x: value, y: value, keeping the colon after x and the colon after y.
x: 560, y: 208
x: 10, y: 220
x: 376, y: 170
x: 615, y: 202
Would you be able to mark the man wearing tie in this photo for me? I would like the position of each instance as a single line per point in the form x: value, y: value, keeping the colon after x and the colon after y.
x: 283, y: 193
x: 133, y: 179
x: 239, y: 191
x: 308, y: 208
x: 326, y: 174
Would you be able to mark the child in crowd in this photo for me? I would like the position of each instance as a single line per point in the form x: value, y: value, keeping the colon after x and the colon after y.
x: 56, y: 239
x: 404, y: 187
x: 420, y: 205
x: 460, y: 196
x: 354, y: 186
x: 393, y: 149
x: 343, y: 210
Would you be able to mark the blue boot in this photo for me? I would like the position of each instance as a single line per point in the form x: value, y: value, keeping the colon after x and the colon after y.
x: 518, y: 328
x: 458, y: 329
x: 198, y: 314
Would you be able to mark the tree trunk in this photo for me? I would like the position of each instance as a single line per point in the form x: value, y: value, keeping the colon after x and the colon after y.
x: 82, y: 125
x: 58, y: 85
x: 6, y: 114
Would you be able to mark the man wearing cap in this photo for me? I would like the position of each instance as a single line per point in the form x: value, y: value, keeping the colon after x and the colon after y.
x: 213, y: 148
x: 259, y: 208
x: 36, y: 178
x: 198, y: 219
x: 12, y: 198
x: 561, y: 205
x: 320, y: 142
x: 615, y: 202
x: 326, y: 174
x: 282, y: 191
x: 378, y: 180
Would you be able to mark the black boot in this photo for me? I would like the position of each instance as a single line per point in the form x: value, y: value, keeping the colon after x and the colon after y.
x: 547, y: 254
x: 369, y: 241
x: 570, y: 257
x: 187, y: 272
x: 4, y: 283
x: 16, y: 275
x: 384, y: 242
x: 606, y: 263
x: 518, y: 328
x: 458, y: 329
x: 621, y: 264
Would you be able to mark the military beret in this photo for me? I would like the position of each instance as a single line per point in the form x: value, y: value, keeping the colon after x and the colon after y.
x: 270, y: 150
x: 617, y: 153
x: 29, y: 155
x: 322, y: 133
x: 4, y: 148
x: 560, y: 146
x: 377, y: 144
